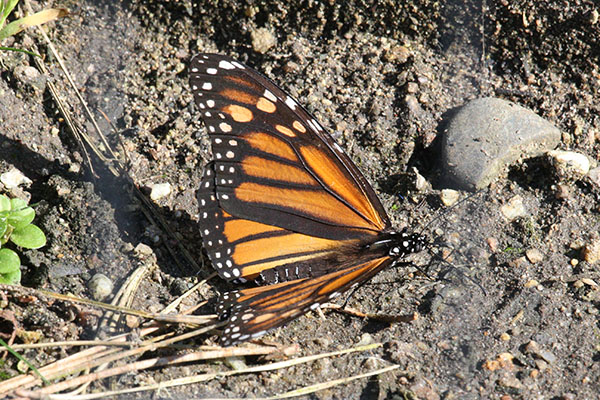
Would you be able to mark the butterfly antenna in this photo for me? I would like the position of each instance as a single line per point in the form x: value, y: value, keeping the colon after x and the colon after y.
x: 458, y: 270
x: 440, y: 213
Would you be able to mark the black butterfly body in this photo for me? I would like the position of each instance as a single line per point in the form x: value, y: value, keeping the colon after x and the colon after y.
x: 281, y: 203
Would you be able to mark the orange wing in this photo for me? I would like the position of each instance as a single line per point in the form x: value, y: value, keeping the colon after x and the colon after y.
x: 240, y: 248
x: 274, y: 163
x: 252, y: 312
x: 281, y: 203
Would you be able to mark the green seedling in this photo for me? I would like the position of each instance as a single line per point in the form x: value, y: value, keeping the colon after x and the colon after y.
x: 16, y: 227
x: 39, y: 18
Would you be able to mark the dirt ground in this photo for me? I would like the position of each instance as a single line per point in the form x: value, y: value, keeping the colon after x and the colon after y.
x: 513, y: 314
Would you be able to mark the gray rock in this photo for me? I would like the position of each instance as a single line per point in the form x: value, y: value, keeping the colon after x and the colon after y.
x: 486, y: 135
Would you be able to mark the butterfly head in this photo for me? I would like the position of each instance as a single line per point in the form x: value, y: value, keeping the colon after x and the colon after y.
x: 404, y: 243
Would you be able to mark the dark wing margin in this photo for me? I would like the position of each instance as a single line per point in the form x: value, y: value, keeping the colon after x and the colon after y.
x: 274, y: 163
x: 250, y: 313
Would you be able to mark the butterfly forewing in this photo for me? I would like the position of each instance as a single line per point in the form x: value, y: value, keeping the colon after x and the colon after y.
x: 273, y: 161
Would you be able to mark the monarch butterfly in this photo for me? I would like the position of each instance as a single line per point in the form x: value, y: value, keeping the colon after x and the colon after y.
x: 281, y: 204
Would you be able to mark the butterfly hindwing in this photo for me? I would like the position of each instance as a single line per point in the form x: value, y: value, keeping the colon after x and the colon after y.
x: 252, y: 312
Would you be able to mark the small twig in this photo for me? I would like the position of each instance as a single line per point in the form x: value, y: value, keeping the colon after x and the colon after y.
x: 376, y: 317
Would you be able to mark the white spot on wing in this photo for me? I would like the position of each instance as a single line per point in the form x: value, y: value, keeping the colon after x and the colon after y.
x: 290, y: 103
x: 317, y: 125
x: 226, y: 65
x: 270, y: 96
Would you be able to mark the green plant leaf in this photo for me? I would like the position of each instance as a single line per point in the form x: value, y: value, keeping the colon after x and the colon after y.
x: 10, y: 271
x: 4, y: 202
x: 5, y: 8
x: 17, y: 204
x: 22, y: 216
x: 3, y: 226
x: 38, y: 18
x: 29, y: 237
x: 31, y: 53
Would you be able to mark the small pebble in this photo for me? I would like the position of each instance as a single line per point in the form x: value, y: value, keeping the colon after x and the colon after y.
x: 365, y: 339
x: 398, y: 351
x: 594, y: 176
x: 591, y: 251
x: 534, y: 373
x: 412, y: 87
x: 562, y: 191
x: 236, y: 363
x: 423, y: 389
x: 30, y: 78
x: 449, y: 197
x: 493, y: 244
x: 594, y: 15
x: 541, y: 365
x: 504, y: 361
x: 570, y: 162
x: 514, y: 208
x: 510, y: 382
x: 589, y: 282
x: 143, y: 249
x: 371, y: 363
x: 263, y: 39
x: 574, y: 262
x: 399, y: 54
x: 534, y: 256
x: 14, y: 178
x: 160, y: 190
x: 323, y: 342
x: 505, y: 337
x: 322, y: 367
x: 421, y: 184
x: 100, y: 287
x: 531, y: 283
x: 413, y: 105
x: 578, y: 284
x: 23, y: 366
x: 534, y: 348
x: 548, y: 356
